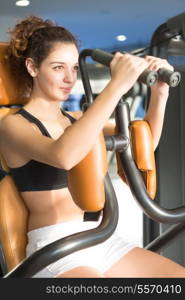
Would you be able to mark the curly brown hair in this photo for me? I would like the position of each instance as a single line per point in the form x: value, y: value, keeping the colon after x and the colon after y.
x: 33, y: 37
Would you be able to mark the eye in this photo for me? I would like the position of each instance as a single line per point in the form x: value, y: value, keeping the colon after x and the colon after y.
x: 58, y: 67
x: 76, y: 68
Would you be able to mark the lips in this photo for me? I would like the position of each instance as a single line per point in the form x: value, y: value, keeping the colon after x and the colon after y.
x: 66, y: 90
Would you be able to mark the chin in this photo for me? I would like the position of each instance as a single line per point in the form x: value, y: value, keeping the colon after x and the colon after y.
x: 60, y: 98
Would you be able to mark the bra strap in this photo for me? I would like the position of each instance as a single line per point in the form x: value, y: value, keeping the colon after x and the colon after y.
x: 72, y: 119
x: 34, y: 120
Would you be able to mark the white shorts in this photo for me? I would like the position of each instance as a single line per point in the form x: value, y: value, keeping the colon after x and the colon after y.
x: 101, y: 256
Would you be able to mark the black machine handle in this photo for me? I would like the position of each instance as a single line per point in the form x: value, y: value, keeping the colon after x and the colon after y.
x: 148, y: 77
x: 170, y: 77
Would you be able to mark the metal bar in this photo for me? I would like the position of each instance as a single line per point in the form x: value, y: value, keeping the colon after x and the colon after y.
x: 84, y: 74
x: 166, y: 238
x: 116, y: 143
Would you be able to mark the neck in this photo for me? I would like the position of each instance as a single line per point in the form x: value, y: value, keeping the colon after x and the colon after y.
x: 42, y: 108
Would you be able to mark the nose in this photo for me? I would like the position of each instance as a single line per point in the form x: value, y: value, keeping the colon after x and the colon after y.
x: 70, y: 76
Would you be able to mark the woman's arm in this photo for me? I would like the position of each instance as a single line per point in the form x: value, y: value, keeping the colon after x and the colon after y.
x: 155, y: 115
x: 158, y: 99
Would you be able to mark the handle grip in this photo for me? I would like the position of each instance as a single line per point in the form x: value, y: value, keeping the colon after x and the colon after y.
x: 170, y: 77
x: 148, y: 77
x: 102, y: 57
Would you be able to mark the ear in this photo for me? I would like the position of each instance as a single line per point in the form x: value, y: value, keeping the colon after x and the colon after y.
x: 31, y: 68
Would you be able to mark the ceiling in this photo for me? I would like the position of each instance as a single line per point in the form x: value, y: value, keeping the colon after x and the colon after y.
x: 96, y: 23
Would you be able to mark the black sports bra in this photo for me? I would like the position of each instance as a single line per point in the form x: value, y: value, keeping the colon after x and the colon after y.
x: 37, y: 176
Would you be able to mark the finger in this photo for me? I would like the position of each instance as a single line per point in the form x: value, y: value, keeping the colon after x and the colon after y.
x: 157, y: 63
x: 116, y: 57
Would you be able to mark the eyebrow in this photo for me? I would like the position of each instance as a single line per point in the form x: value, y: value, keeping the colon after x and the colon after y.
x: 61, y: 62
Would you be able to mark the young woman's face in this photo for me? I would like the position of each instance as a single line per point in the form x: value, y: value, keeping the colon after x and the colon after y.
x: 58, y: 72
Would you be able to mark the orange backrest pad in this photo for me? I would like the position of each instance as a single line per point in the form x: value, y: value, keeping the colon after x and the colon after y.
x: 10, y: 93
x: 13, y: 212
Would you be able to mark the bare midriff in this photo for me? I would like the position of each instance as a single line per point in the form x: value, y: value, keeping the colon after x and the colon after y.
x: 50, y: 207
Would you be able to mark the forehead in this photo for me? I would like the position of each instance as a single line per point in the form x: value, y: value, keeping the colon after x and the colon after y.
x: 63, y: 52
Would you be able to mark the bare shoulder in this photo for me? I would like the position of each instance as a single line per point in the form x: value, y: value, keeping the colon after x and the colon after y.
x: 6, y: 123
x: 12, y: 124
x: 9, y: 129
x: 21, y: 142
x: 13, y: 128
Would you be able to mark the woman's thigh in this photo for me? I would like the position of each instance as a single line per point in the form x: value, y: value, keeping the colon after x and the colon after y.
x: 143, y: 263
x: 81, y: 272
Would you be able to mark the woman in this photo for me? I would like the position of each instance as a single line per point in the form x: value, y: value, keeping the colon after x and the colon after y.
x: 40, y: 143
